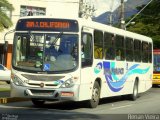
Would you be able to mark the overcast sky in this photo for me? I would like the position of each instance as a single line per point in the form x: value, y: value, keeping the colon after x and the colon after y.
x: 101, y: 6
x: 104, y: 5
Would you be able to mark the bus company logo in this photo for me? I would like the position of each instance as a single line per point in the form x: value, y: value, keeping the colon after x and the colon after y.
x: 111, y: 73
x: 57, y: 82
x: 41, y: 85
x: 98, y: 68
x: 114, y: 82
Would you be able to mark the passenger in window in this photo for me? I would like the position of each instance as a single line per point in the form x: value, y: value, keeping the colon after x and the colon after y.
x: 157, y: 68
x: 51, y: 52
x: 118, y: 55
x: 74, y: 52
x: 82, y: 51
x: 83, y: 44
x: 109, y: 53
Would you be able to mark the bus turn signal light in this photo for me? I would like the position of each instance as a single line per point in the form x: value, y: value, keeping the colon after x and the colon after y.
x: 67, y: 94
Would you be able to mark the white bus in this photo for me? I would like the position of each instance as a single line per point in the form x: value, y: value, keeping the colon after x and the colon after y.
x: 78, y: 60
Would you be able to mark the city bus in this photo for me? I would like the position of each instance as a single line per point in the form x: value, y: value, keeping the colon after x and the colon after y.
x: 78, y: 60
x: 156, y: 71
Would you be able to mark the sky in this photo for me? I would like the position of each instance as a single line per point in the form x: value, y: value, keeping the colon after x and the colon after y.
x: 101, y: 6
x: 104, y: 5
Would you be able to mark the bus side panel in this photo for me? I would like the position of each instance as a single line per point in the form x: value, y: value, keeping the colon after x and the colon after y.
x: 98, y: 71
x: 109, y: 71
x: 146, y: 77
x: 130, y: 78
x: 85, y: 91
x: 142, y: 73
x: 149, y: 76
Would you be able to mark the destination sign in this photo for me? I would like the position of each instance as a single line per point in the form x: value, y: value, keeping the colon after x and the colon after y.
x: 39, y: 24
x: 33, y: 24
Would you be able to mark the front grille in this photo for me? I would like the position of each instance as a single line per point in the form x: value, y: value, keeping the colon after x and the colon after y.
x: 42, y: 77
x: 38, y: 84
x: 42, y: 92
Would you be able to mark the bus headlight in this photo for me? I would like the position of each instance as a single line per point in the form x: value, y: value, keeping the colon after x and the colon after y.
x: 68, y: 83
x: 17, y: 81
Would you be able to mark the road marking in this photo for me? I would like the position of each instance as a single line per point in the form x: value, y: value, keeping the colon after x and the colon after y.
x: 121, y: 107
x: 14, y: 107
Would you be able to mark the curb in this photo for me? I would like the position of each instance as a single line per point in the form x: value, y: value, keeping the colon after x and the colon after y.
x: 14, y: 99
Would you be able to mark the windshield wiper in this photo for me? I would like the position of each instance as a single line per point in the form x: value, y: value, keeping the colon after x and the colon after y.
x: 57, y: 37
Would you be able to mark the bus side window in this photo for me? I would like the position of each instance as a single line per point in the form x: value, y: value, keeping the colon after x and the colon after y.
x: 98, y: 44
x: 118, y: 54
x: 145, y: 52
x: 129, y: 49
x: 150, y: 52
x: 109, y: 47
x: 120, y: 48
x: 86, y: 50
x: 137, y: 50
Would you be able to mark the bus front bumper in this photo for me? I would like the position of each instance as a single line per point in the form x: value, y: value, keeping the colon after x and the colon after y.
x: 45, y: 93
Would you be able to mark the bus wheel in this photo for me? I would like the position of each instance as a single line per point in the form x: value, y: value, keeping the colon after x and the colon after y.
x: 134, y: 95
x: 95, y: 96
x: 37, y: 102
x: 154, y: 85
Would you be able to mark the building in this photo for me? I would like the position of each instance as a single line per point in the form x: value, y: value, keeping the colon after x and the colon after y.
x: 55, y: 8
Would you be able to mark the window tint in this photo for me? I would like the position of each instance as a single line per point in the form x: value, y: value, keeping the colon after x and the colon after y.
x: 109, y: 46
x: 120, y: 48
x: 150, y: 52
x: 137, y: 50
x: 129, y: 49
x: 86, y: 49
x: 98, y: 44
x: 145, y: 52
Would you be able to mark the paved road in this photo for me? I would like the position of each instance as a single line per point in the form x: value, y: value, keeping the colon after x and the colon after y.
x: 6, y: 86
x: 4, y: 94
x: 145, y: 108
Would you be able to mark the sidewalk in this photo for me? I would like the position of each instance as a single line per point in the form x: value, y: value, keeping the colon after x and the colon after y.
x: 4, y: 89
x: 5, y: 94
x: 4, y: 86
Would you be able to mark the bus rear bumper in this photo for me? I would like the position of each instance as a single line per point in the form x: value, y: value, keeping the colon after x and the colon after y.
x: 156, y: 82
x: 70, y: 94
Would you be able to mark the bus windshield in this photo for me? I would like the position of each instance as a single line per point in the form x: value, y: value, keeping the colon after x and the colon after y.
x: 156, y: 62
x: 38, y: 52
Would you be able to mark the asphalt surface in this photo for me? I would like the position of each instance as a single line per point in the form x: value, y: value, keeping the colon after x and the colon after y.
x: 4, y: 93
x: 146, y: 107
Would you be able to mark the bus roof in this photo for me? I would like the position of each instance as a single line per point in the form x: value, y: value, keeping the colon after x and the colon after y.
x: 100, y: 26
x: 114, y: 30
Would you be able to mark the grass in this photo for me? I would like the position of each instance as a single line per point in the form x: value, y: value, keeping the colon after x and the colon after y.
x: 4, y: 89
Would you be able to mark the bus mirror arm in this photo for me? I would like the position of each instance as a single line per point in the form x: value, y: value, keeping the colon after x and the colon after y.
x: 5, y: 48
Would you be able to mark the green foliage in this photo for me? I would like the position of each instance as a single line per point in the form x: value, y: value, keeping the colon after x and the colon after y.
x: 148, y: 22
x: 5, y: 21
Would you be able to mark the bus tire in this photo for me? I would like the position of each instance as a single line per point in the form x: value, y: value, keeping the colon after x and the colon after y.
x: 134, y: 95
x: 8, y: 82
x: 94, y: 101
x: 154, y: 85
x: 38, y: 102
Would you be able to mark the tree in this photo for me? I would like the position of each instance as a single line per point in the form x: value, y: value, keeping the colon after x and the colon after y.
x: 5, y: 21
x: 148, y: 22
